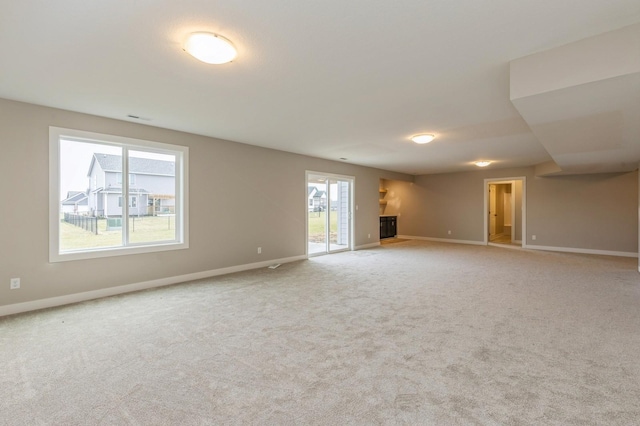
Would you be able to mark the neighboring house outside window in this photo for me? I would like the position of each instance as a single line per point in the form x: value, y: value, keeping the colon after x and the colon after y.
x: 76, y: 202
x: 154, y: 180
x: 317, y: 199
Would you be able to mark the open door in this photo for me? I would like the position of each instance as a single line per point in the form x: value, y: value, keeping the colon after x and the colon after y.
x: 329, y: 217
x: 505, y: 212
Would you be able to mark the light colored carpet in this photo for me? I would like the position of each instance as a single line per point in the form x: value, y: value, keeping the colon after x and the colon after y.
x: 409, y: 333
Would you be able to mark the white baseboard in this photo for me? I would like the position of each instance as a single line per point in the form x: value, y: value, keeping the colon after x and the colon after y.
x: 532, y: 247
x: 582, y: 251
x: 443, y: 240
x: 366, y: 246
x: 128, y: 288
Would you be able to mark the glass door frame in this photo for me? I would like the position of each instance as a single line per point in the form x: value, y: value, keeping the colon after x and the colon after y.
x: 351, y: 217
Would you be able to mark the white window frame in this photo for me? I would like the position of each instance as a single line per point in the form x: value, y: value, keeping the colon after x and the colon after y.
x: 132, y: 179
x: 181, y: 201
x: 133, y: 201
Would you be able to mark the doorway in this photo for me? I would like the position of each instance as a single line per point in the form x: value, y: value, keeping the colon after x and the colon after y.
x: 329, y: 213
x: 505, y: 213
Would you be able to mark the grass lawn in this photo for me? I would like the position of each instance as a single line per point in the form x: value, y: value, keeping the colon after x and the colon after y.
x: 317, y: 225
x: 141, y: 229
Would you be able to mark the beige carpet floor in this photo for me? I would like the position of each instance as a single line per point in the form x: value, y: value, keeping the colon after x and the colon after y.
x: 407, y: 333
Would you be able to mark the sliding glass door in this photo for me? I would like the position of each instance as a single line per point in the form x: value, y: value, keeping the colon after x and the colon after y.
x: 329, y: 224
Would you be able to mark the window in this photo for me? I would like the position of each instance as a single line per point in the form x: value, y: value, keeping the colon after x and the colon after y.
x: 132, y: 179
x: 156, y: 185
x: 133, y: 201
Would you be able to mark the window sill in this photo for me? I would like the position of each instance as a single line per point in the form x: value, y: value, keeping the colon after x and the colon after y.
x: 115, y: 251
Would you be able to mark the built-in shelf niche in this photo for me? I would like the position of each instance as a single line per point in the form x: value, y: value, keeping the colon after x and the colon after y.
x: 383, y: 193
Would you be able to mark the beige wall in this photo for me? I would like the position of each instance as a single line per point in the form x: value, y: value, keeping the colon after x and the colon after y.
x: 517, y: 227
x: 405, y: 200
x: 241, y: 197
x: 585, y: 211
x: 594, y: 212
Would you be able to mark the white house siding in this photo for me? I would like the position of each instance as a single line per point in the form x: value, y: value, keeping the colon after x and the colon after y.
x: 343, y: 212
x: 154, y: 184
x: 99, y: 201
x: 112, y: 205
x: 111, y: 180
x: 96, y: 180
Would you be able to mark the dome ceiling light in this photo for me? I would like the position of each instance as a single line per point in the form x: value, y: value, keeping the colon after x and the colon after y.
x: 210, y: 48
x: 482, y: 163
x: 422, y: 138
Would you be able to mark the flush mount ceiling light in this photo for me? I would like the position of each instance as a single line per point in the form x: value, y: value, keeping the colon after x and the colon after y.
x: 482, y: 163
x: 210, y: 48
x: 422, y: 138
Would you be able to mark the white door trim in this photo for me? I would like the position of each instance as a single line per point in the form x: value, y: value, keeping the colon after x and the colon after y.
x: 352, y: 197
x: 511, y: 180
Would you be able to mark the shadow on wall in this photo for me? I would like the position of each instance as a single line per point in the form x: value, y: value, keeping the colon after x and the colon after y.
x: 406, y: 201
x: 390, y: 197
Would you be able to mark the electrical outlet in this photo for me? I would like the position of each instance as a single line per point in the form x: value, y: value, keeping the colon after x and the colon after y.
x: 368, y: 235
x: 449, y: 232
x: 15, y: 283
x: 259, y: 250
x: 533, y: 237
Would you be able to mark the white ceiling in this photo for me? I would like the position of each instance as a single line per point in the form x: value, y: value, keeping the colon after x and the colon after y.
x: 327, y: 78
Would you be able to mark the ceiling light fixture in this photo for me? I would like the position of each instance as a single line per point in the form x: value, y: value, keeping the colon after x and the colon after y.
x: 210, y: 48
x: 423, y: 138
x: 482, y: 163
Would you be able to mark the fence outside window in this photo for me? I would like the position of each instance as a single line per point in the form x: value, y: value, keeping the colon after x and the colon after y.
x: 87, y: 223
